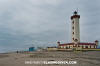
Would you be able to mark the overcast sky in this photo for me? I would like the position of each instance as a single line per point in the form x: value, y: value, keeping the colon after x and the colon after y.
x: 25, y: 23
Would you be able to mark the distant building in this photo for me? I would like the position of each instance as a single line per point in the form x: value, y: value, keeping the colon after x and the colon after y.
x: 41, y: 49
x: 76, y: 44
x: 52, y: 48
x: 31, y: 49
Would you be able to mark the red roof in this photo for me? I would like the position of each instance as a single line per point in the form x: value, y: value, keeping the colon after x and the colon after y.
x: 75, y: 16
x: 87, y: 43
x: 66, y: 44
x: 78, y: 43
x: 96, y: 41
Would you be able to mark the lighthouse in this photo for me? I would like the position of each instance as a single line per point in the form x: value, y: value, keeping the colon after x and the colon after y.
x: 76, y: 44
x: 75, y: 27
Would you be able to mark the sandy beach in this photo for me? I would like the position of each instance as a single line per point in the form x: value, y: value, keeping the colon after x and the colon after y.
x: 90, y: 58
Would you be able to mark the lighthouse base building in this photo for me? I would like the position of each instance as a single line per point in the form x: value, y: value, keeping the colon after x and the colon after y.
x: 76, y: 44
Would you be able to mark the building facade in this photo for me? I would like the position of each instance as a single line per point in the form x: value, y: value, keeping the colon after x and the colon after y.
x: 79, y: 46
x: 52, y: 48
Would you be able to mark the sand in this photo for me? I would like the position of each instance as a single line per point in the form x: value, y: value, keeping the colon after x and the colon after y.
x: 90, y: 58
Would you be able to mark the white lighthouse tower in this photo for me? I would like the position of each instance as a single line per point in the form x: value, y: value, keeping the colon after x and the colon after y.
x: 75, y: 27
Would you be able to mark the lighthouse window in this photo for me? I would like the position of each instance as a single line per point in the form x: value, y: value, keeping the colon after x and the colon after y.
x: 73, y: 38
x: 76, y: 40
x: 73, y: 22
x: 72, y: 27
x: 73, y: 32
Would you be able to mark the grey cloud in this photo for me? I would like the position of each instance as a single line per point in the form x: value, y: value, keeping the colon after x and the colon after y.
x: 44, y: 22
